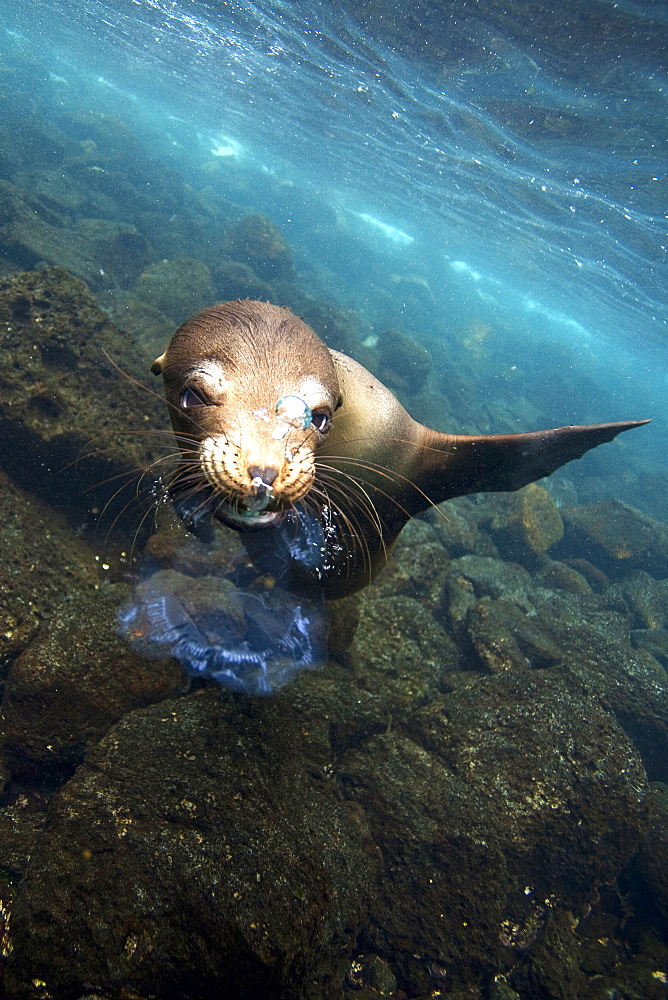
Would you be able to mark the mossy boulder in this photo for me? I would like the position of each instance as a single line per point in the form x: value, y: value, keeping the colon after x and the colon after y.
x: 257, y: 242
x: 616, y: 537
x: 404, y: 364
x: 75, y: 679
x: 31, y: 232
x: 177, y: 287
x: 234, y: 280
x: 526, y: 523
x: 120, y: 250
x: 507, y: 792
x: 63, y: 398
x: 195, y: 854
x: 54, y: 188
x: 40, y: 561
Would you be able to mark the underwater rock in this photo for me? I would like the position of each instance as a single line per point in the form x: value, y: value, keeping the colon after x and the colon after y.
x: 652, y: 858
x: 588, y: 635
x: 551, y: 966
x: 404, y: 364
x: 633, y: 684
x: 560, y: 576
x: 195, y: 854
x: 456, y: 523
x: 457, y: 599
x: 335, y: 713
x: 654, y: 641
x: 148, y: 327
x: 257, y: 242
x: 42, y: 145
x: 418, y: 565
x: 103, y: 139
x: 503, y: 619
x: 496, y: 579
x: 175, y: 229
x: 71, y: 684
x: 177, y: 287
x: 119, y: 250
x: 339, y: 328
x: 647, y: 598
x: 173, y: 544
x: 370, y: 973
x: 20, y: 824
x: 62, y: 398
x: 54, y: 188
x: 40, y: 560
x: 616, y: 537
x: 30, y: 233
x: 485, y: 803
x: 344, y: 617
x: 526, y: 523
x: 234, y: 280
x: 400, y: 652
x: 506, y: 638
x: 507, y: 782
x: 135, y: 192
x: 595, y: 577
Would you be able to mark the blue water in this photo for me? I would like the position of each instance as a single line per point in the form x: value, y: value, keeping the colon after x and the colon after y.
x: 500, y: 172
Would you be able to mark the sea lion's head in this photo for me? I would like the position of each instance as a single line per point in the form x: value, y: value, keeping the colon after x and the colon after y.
x: 251, y: 391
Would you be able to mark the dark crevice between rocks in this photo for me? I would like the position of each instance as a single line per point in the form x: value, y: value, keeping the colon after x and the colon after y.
x: 67, y: 475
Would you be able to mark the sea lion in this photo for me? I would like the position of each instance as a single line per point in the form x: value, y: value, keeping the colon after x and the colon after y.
x: 270, y: 422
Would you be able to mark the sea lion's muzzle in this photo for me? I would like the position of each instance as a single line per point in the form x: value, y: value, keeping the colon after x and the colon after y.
x: 259, y: 472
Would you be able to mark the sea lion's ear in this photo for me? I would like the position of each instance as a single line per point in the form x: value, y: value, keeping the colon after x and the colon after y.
x: 158, y: 365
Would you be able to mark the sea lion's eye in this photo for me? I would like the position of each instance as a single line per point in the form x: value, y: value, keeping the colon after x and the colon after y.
x: 321, y: 420
x: 190, y: 398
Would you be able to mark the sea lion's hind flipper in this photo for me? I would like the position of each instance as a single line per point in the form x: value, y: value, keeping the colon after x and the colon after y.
x: 504, y: 462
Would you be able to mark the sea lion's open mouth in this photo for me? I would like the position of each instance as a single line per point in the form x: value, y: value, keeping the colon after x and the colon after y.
x: 252, y: 513
x: 245, y: 520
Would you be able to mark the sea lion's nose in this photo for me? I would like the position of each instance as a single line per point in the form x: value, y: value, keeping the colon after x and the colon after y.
x: 265, y: 476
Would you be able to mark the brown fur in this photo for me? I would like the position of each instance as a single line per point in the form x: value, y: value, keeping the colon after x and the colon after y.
x: 376, y: 467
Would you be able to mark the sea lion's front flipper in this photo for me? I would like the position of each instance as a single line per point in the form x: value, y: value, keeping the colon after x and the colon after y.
x: 461, y: 464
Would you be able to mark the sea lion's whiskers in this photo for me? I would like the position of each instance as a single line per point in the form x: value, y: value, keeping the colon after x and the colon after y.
x: 87, y: 455
x: 389, y: 497
x: 367, y: 505
x: 394, y: 440
x: 380, y: 470
x: 150, y: 509
x: 351, y: 521
x: 354, y: 538
x: 355, y: 545
x: 357, y: 498
x: 140, y: 472
x: 383, y: 470
x: 189, y: 473
x: 196, y: 484
x: 136, y: 477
